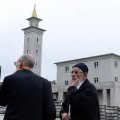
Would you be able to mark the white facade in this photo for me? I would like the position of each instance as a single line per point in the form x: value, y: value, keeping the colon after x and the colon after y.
x: 104, y: 73
x: 33, y: 41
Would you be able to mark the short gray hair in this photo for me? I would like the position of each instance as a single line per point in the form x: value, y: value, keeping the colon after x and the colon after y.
x: 28, y: 60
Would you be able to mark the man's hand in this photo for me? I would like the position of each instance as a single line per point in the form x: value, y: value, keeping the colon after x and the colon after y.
x: 74, y: 82
x: 65, y: 116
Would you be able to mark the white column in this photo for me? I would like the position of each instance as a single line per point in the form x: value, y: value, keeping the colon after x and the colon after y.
x: 104, y: 97
x: 112, y: 97
x: 60, y: 95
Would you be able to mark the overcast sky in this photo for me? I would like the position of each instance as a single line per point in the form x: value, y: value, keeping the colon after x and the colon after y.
x: 75, y: 29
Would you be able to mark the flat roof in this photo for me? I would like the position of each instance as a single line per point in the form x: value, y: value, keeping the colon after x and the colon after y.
x: 92, y: 57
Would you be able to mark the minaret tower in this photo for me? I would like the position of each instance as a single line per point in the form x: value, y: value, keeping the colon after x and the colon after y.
x: 33, y: 40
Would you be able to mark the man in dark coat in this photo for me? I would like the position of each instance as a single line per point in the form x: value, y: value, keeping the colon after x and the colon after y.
x: 81, y: 102
x: 27, y: 95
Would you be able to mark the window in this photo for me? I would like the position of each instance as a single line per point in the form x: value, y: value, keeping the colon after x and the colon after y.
x: 66, y: 68
x: 66, y: 82
x: 37, y: 40
x: 115, y: 63
x: 96, y: 64
x: 36, y: 64
x: 96, y: 80
x: 28, y: 40
x: 116, y: 78
x: 36, y: 51
x: 27, y: 51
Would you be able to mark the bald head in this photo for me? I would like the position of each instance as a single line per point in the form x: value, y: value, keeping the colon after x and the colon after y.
x: 27, y: 60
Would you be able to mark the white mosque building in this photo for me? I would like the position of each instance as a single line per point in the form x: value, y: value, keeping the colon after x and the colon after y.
x: 104, y: 73
x: 33, y: 40
x: 104, y: 70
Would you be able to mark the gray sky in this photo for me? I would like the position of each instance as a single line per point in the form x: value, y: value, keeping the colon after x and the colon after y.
x: 75, y: 29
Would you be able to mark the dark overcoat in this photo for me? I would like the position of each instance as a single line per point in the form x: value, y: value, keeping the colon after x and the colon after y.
x: 27, y: 97
x: 83, y: 102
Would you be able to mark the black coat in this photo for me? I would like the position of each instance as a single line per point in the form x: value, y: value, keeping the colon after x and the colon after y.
x: 83, y: 102
x: 27, y: 97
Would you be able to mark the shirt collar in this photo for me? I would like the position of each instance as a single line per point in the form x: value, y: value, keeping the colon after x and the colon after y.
x: 79, y: 84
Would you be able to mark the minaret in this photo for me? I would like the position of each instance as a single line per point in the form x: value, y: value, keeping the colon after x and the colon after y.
x: 33, y: 40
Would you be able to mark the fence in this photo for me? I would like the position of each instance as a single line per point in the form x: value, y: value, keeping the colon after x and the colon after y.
x: 106, y: 112
x: 109, y: 112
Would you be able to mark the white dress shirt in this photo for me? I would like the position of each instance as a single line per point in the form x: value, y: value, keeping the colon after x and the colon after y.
x: 79, y: 84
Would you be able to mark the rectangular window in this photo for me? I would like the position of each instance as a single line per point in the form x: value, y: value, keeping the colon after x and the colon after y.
x: 36, y: 64
x: 115, y: 63
x: 66, y: 82
x: 27, y: 51
x: 37, y: 40
x: 66, y: 68
x: 116, y: 78
x: 96, y: 64
x: 28, y: 40
x: 96, y: 80
x: 36, y: 51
